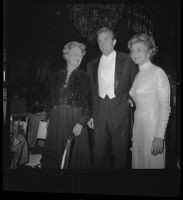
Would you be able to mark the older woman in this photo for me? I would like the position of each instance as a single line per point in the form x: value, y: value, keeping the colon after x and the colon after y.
x: 151, y: 93
x: 70, y: 90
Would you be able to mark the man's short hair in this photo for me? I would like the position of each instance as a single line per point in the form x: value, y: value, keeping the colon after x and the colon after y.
x: 106, y: 29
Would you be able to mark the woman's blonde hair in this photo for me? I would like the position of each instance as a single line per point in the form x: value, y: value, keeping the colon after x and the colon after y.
x: 70, y: 45
x: 147, y: 40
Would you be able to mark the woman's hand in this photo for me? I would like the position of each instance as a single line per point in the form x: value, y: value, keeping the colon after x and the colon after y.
x: 90, y: 123
x: 157, y: 146
x: 77, y: 129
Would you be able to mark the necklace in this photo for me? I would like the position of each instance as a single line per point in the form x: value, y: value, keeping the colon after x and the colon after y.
x: 67, y: 78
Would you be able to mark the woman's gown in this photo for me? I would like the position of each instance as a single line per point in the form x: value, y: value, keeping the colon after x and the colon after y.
x: 72, y: 106
x: 151, y: 93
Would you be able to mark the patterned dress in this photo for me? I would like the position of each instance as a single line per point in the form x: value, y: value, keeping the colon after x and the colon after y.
x: 72, y: 102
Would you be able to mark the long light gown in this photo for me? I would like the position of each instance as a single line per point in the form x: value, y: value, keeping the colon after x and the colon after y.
x: 151, y: 93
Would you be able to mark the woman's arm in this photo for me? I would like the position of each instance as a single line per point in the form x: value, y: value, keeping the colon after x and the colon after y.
x: 162, y: 87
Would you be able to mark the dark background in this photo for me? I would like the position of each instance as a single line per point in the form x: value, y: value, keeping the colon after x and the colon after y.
x: 37, y: 31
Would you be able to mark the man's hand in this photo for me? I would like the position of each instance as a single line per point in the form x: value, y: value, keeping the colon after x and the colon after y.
x: 77, y: 129
x: 157, y: 146
x: 131, y: 103
x: 90, y: 123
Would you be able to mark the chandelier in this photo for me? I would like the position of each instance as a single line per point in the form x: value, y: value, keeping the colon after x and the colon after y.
x: 140, y: 19
x: 88, y: 18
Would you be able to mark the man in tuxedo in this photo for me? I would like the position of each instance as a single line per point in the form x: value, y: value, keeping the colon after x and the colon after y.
x: 111, y: 77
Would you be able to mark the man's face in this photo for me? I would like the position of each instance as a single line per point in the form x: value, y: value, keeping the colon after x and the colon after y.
x: 106, y: 42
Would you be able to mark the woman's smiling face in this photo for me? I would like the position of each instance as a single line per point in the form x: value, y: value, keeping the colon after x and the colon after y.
x: 74, y: 57
x: 140, y: 53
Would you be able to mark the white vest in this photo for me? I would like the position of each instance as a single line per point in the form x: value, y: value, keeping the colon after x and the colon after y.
x: 106, y: 73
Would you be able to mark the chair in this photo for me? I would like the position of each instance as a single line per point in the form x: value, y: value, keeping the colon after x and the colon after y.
x: 42, y: 130
x: 67, y: 152
x: 21, y: 120
x: 35, y: 157
x: 33, y: 128
x: 19, y: 146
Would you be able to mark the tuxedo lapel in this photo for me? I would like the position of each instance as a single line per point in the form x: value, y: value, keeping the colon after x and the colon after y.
x: 117, y: 71
x: 119, y: 65
x: 95, y: 74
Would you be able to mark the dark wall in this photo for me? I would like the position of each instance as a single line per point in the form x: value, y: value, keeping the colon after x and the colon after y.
x: 40, y: 30
x: 167, y: 33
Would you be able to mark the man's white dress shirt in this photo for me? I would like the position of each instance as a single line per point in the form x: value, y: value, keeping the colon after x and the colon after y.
x: 106, y: 73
